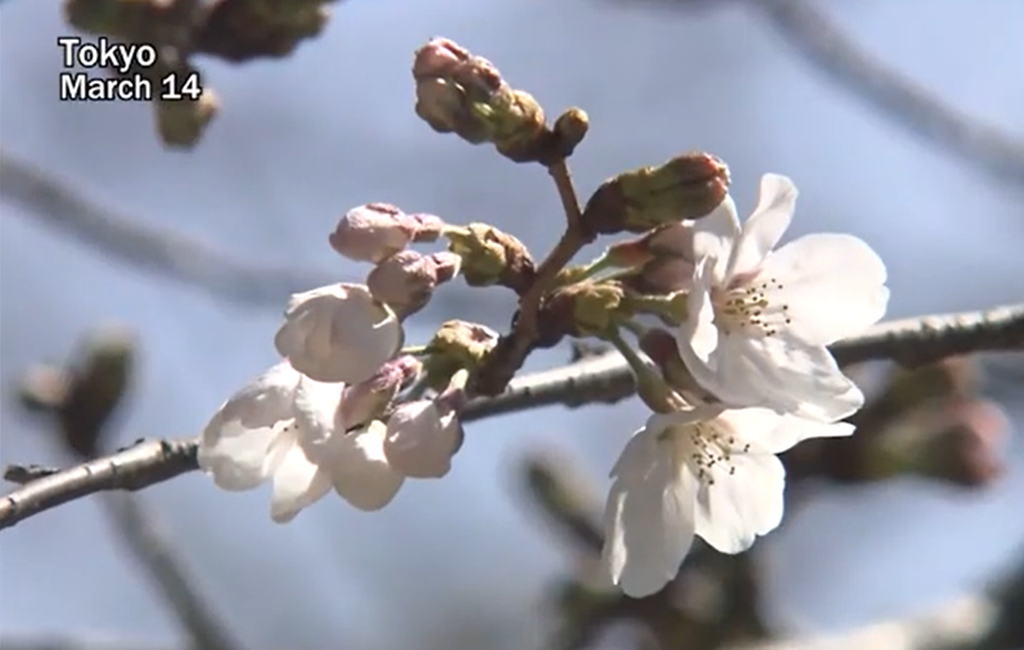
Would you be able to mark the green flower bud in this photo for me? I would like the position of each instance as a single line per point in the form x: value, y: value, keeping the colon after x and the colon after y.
x: 581, y: 309
x: 490, y: 256
x: 457, y: 345
x: 686, y: 187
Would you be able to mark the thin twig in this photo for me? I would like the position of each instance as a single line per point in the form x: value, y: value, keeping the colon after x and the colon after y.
x: 604, y: 378
x: 140, y: 531
x: 825, y: 46
x: 567, y: 194
x: 567, y: 247
x: 132, y: 241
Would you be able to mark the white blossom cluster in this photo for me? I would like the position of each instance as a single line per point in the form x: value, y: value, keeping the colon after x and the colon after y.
x: 755, y: 339
x: 759, y: 320
x: 324, y: 417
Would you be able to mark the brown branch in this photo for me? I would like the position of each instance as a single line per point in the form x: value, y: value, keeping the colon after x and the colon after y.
x: 130, y: 240
x: 826, y: 47
x: 134, y: 468
x: 604, y: 378
x: 141, y: 532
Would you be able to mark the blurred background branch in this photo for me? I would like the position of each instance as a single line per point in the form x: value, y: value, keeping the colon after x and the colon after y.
x: 715, y: 594
x: 81, y: 400
x: 826, y: 47
x: 131, y: 240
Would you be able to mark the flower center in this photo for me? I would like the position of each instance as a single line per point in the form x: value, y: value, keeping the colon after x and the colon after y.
x: 711, y: 450
x: 750, y: 307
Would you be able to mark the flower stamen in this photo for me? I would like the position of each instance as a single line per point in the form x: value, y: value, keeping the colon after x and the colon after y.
x: 711, y: 447
x: 750, y: 307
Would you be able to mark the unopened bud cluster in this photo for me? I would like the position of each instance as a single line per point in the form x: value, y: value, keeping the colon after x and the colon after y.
x: 458, y: 92
x: 232, y: 30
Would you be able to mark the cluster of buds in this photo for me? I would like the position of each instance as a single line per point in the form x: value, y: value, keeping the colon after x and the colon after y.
x: 380, y: 233
x: 233, y: 30
x: 244, y: 30
x: 457, y: 92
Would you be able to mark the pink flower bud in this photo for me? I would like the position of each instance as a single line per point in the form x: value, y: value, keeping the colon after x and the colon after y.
x: 406, y: 280
x: 338, y: 333
x: 465, y: 94
x: 370, y: 399
x: 423, y: 436
x: 372, y: 232
x: 439, y: 57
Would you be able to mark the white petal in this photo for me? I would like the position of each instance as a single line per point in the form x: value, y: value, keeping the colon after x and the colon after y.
x: 784, y: 375
x: 235, y: 446
x: 338, y: 333
x: 715, y: 235
x: 360, y: 471
x: 720, y: 369
x: 767, y: 431
x: 648, y: 519
x: 766, y: 224
x: 698, y: 334
x: 317, y: 409
x: 834, y: 286
x: 264, y: 400
x: 660, y: 422
x: 737, y: 507
x: 420, y: 440
x: 237, y: 460
x: 297, y: 483
x: 801, y: 380
x: 792, y: 430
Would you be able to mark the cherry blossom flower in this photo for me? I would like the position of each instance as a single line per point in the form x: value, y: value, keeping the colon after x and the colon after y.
x: 422, y: 436
x: 338, y: 333
x: 708, y: 472
x: 289, y: 429
x: 760, y: 320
